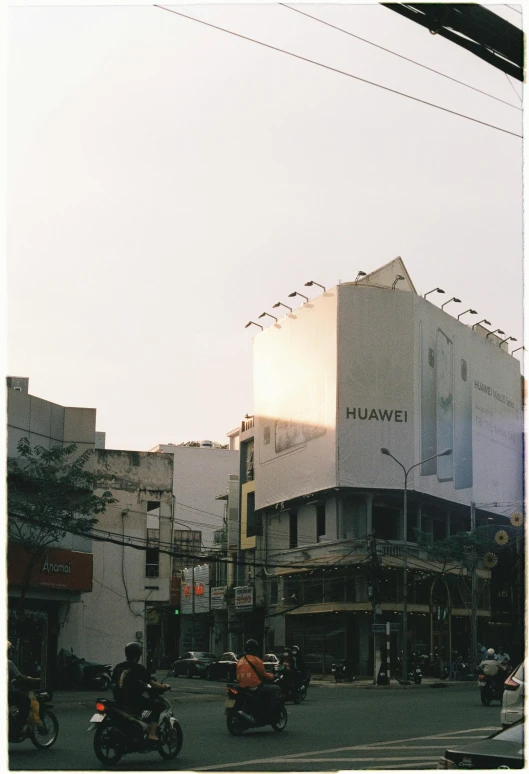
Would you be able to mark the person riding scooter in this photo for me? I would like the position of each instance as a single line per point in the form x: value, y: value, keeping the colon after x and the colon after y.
x: 15, y: 695
x: 129, y: 681
x: 251, y: 674
x: 493, y: 669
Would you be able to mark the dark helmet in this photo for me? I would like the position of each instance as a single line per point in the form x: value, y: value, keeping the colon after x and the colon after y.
x: 133, y: 651
x: 295, y: 649
x: 251, y: 647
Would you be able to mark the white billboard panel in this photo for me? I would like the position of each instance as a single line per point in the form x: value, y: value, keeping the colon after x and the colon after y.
x: 417, y: 381
x: 195, y: 590
x: 295, y: 403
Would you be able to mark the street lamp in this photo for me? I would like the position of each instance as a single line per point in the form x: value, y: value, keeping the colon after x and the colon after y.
x: 360, y: 274
x: 397, y: 279
x: 280, y: 303
x: 479, y: 323
x: 472, y: 311
x: 295, y: 293
x: 498, y: 330
x: 444, y: 453
x: 265, y: 314
x: 457, y: 301
x: 435, y: 290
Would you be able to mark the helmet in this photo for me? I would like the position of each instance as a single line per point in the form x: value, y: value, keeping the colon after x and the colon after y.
x: 251, y: 647
x: 133, y: 651
x: 286, y: 651
x: 490, y: 652
x: 295, y: 648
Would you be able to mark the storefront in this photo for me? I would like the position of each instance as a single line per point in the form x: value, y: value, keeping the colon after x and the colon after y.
x: 34, y: 622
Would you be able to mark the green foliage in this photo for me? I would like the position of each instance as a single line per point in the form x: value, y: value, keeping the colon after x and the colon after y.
x: 460, y: 548
x: 216, y: 444
x: 49, y: 490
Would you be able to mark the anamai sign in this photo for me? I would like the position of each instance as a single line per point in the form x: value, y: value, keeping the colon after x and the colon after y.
x: 58, y: 568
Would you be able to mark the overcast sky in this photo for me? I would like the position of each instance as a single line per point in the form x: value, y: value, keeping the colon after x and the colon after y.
x: 169, y: 182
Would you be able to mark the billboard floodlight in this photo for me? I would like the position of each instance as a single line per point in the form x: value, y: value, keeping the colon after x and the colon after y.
x: 295, y: 293
x: 280, y: 303
x: 457, y: 301
x: 435, y: 290
x: 479, y: 323
x: 472, y: 311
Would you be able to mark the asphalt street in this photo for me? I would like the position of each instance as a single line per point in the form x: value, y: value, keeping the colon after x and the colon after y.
x: 338, y: 727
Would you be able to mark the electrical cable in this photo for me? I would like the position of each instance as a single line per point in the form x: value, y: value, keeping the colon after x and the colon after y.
x: 407, y: 59
x: 513, y: 9
x: 340, y: 72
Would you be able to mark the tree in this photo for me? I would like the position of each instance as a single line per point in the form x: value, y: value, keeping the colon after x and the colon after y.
x: 215, y: 444
x: 50, y: 492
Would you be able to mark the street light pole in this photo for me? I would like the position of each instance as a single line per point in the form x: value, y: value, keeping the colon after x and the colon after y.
x: 444, y: 453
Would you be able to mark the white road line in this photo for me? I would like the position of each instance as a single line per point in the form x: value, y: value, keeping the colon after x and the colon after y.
x: 375, y: 745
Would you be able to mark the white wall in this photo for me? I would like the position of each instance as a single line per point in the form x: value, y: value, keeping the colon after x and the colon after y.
x: 200, y: 475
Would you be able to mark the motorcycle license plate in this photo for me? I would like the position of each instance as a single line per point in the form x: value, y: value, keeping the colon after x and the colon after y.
x: 97, y: 718
x: 230, y: 703
x: 481, y: 683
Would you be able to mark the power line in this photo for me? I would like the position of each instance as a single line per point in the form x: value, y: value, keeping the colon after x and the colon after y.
x: 340, y: 72
x: 513, y: 9
x: 407, y: 59
x: 512, y: 86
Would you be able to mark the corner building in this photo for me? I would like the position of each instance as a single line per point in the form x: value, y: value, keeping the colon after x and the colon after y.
x: 364, y: 366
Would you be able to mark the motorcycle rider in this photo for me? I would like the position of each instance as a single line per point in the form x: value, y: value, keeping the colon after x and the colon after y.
x: 15, y: 696
x: 502, y: 657
x: 129, y: 681
x: 299, y: 670
x: 288, y: 672
x: 493, y: 669
x: 251, y: 674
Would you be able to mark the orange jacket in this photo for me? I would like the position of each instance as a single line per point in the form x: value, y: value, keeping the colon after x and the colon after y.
x: 246, y: 675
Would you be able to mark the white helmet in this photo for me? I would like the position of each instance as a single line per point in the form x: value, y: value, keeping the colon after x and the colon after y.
x: 490, y: 652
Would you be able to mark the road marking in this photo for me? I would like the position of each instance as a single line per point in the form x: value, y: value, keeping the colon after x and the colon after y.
x: 301, y: 757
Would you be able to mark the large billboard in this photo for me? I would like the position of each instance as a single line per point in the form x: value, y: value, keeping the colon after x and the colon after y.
x: 363, y: 368
x: 295, y: 371
x: 417, y: 381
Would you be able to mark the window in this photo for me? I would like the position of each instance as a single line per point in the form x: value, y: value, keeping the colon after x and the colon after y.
x: 152, y: 554
x: 320, y: 520
x: 293, y: 530
x: 386, y: 521
x: 253, y: 520
x: 273, y: 591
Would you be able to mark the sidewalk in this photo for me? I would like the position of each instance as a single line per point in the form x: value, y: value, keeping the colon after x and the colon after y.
x: 367, y: 682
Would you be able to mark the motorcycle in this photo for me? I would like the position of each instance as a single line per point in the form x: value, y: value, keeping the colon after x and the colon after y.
x: 243, y: 700
x: 76, y: 672
x: 292, y: 689
x: 119, y: 732
x: 343, y: 672
x: 490, y: 689
x: 415, y: 674
x: 44, y: 733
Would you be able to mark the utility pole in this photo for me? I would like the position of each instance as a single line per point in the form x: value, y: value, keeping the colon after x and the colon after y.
x: 473, y: 597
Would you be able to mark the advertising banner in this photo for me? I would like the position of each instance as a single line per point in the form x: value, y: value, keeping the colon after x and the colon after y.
x: 195, y: 590
x: 295, y: 403
x: 243, y: 598
x: 218, y: 598
x: 417, y: 381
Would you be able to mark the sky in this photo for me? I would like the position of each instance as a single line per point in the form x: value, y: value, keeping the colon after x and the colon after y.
x: 168, y: 182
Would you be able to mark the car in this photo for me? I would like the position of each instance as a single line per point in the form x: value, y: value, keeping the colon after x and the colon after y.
x: 223, y: 668
x: 502, y: 750
x: 512, y: 706
x: 271, y: 662
x: 193, y: 662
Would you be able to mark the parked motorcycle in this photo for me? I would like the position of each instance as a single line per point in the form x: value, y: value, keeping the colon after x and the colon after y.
x: 242, y: 699
x: 119, y: 732
x: 490, y: 688
x: 292, y: 689
x: 43, y: 734
x: 415, y: 674
x: 343, y: 671
x: 75, y: 672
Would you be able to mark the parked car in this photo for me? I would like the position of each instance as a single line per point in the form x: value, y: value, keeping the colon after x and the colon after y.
x: 502, y: 750
x: 271, y: 662
x: 223, y: 668
x: 512, y: 707
x: 194, y: 662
